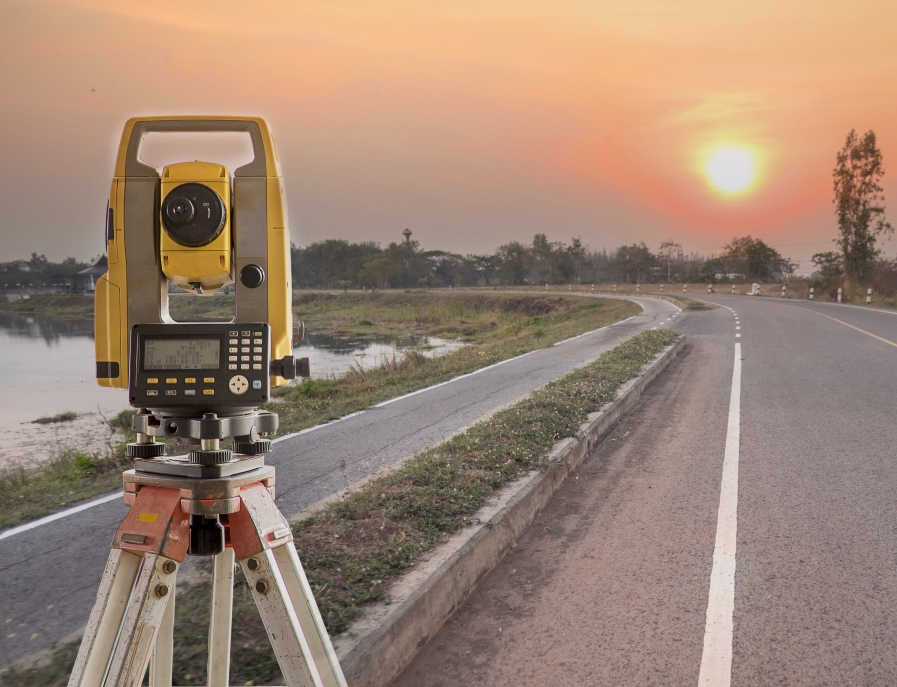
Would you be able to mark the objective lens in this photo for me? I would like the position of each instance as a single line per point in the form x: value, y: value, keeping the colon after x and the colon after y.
x: 193, y: 215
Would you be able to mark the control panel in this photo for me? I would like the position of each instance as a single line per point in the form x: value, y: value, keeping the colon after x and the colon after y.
x: 200, y: 365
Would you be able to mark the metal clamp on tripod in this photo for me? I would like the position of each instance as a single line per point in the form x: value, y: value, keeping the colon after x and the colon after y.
x: 203, y: 383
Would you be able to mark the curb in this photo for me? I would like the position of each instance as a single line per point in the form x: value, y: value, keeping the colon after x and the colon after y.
x: 378, y: 647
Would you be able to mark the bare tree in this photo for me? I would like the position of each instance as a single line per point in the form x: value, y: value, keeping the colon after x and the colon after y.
x: 669, y: 250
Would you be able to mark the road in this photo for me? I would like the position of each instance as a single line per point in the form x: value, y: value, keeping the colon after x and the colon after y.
x: 612, y: 583
x: 50, y: 574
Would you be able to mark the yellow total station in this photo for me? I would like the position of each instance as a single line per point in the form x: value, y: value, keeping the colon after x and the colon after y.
x: 194, y: 225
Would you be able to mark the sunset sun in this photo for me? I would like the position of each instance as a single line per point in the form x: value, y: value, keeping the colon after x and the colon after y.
x: 731, y: 170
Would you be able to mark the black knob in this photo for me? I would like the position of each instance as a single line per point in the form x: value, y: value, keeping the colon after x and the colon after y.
x: 206, y: 536
x: 256, y: 448
x: 252, y: 276
x: 153, y: 450
x: 201, y: 457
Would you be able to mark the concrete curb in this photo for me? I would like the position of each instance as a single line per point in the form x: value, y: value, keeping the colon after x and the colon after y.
x: 377, y: 648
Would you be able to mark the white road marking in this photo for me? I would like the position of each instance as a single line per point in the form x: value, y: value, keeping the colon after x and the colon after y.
x: 716, y: 661
x: 61, y: 514
x: 738, y: 336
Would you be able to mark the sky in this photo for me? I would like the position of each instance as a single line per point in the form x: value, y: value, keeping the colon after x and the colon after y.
x: 473, y: 123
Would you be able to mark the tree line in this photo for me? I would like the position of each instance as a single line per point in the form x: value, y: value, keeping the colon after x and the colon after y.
x: 336, y: 263
x: 40, y: 273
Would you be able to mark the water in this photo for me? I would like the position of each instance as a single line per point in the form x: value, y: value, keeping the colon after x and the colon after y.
x: 47, y: 368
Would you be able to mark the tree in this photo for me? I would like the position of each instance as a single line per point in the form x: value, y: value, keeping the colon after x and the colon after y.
x: 754, y: 259
x: 513, y: 259
x: 669, y: 250
x: 859, y: 203
x: 830, y: 267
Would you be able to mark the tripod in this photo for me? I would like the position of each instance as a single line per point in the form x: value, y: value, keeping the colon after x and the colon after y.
x: 232, y: 516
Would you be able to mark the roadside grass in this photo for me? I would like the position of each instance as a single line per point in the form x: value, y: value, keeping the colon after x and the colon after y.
x: 496, y: 327
x: 71, y: 476
x: 352, y: 548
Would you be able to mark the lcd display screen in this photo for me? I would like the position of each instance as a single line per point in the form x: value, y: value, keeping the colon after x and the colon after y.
x: 181, y: 354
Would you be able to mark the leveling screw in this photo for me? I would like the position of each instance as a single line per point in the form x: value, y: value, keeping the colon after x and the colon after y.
x: 261, y: 587
x: 169, y: 567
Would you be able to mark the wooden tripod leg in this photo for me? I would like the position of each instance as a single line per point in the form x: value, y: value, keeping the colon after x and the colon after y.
x: 220, y: 624
x: 284, y: 630
x: 137, y: 636
x: 303, y: 601
x: 162, y: 660
x: 105, y: 620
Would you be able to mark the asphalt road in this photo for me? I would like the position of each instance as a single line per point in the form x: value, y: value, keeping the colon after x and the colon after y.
x: 611, y: 584
x: 50, y: 574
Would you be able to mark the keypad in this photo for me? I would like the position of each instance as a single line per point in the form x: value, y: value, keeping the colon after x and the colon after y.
x: 242, y: 353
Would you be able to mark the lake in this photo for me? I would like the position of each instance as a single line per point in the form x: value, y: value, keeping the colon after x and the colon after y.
x: 47, y: 368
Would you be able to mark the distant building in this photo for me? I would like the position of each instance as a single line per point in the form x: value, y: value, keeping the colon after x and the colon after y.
x: 86, y: 279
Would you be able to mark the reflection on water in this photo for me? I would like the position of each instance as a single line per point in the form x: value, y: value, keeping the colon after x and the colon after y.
x: 333, y: 356
x: 47, y: 368
x: 51, y: 331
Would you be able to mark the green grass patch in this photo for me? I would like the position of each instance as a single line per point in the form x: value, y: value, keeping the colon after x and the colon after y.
x: 354, y: 547
x: 57, y: 306
x: 70, y: 477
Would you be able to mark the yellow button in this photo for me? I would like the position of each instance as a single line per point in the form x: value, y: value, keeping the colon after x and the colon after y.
x: 209, y: 380
x: 152, y: 380
x: 171, y: 380
x: 189, y: 380
x: 208, y: 392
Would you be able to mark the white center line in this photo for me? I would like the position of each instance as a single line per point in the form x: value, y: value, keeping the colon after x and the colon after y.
x: 716, y: 661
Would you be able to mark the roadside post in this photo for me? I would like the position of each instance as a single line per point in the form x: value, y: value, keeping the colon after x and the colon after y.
x: 783, y: 290
x: 812, y: 292
x: 733, y: 289
x: 684, y: 287
x: 839, y: 293
x: 868, y: 296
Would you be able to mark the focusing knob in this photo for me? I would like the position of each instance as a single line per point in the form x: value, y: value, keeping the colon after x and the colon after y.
x: 210, y: 457
x: 153, y: 450
x: 252, y: 276
x: 253, y: 449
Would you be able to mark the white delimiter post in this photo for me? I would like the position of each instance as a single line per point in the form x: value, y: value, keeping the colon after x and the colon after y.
x: 868, y: 296
x: 812, y: 291
x: 839, y: 294
x: 684, y: 287
x: 661, y: 288
x: 733, y: 289
x: 709, y: 288
x: 783, y: 290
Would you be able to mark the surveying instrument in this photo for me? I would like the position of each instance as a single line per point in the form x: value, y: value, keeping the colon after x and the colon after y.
x: 193, y: 225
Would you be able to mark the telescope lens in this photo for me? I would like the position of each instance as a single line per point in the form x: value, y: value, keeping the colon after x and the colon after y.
x: 193, y: 215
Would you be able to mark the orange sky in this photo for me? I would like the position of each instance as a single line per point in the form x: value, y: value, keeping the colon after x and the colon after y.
x: 472, y: 123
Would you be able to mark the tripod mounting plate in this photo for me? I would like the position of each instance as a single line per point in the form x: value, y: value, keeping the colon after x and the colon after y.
x: 206, y: 426
x: 180, y: 466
